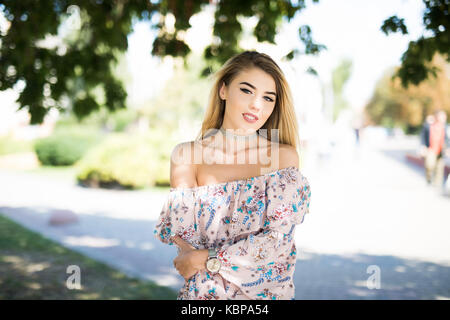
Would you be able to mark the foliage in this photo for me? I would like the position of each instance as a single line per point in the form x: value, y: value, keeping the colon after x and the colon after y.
x: 340, y: 76
x: 124, y: 161
x: 120, y: 120
x: 393, y: 105
x: 117, y: 121
x: 168, y: 118
x: 416, y: 60
x: 65, y: 147
x: 188, y: 98
x: 92, y: 34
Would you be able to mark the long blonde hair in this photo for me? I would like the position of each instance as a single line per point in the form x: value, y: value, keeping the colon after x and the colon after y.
x: 283, y: 116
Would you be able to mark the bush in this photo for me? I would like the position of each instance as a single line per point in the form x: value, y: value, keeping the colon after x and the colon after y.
x: 65, y: 147
x: 117, y: 121
x: 164, y: 145
x: 124, y: 161
x: 162, y: 177
x: 122, y: 119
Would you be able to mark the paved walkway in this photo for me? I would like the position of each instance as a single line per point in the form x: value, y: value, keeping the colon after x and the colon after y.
x: 370, y: 212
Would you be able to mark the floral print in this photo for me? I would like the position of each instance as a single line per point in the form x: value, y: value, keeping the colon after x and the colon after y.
x: 251, y: 222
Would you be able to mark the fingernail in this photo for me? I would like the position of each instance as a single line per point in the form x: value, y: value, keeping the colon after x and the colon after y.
x: 172, y: 234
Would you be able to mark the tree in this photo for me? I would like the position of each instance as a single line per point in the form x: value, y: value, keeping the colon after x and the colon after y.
x: 340, y: 76
x: 188, y: 98
x: 393, y: 105
x: 416, y: 61
x: 83, y: 60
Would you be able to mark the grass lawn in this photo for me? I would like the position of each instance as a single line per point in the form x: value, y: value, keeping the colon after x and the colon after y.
x: 34, y: 267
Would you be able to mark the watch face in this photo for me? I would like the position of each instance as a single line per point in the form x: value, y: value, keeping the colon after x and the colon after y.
x: 213, y: 265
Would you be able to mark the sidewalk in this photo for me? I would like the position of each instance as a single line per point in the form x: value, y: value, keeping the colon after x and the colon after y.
x: 113, y: 226
x: 368, y: 209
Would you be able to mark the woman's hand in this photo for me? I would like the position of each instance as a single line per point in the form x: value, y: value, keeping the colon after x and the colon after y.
x: 189, y: 260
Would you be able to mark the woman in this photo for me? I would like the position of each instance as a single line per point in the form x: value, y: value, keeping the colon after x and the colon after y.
x: 233, y: 220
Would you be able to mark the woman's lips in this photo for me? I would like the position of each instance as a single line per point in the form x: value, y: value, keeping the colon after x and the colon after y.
x: 250, y: 118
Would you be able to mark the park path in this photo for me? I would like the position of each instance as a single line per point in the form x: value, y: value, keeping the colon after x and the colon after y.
x: 371, y: 214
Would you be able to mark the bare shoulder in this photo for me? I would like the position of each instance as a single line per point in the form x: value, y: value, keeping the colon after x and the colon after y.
x: 288, y: 156
x: 182, y: 167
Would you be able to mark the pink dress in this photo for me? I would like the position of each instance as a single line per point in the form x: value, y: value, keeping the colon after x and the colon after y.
x: 251, y: 222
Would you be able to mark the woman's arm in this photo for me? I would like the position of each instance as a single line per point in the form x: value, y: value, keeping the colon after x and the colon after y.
x: 189, y: 260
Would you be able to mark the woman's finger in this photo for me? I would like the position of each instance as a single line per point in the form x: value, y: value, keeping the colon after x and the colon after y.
x: 176, y: 239
x: 181, y: 243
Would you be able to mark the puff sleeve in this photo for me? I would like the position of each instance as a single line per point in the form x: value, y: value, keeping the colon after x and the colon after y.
x: 177, y: 216
x: 261, y: 264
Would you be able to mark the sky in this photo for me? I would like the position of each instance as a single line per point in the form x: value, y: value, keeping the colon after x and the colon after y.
x: 349, y: 29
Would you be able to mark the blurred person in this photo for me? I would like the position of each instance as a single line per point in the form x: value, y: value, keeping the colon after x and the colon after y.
x: 434, y: 160
x: 357, y: 135
x: 446, y: 161
x: 425, y: 145
x: 357, y: 125
x: 425, y: 134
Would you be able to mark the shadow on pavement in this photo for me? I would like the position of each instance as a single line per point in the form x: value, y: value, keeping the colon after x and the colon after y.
x: 126, y: 244
x: 325, y: 276
x: 130, y: 246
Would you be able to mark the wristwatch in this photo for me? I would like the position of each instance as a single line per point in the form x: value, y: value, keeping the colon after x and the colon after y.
x: 213, y: 264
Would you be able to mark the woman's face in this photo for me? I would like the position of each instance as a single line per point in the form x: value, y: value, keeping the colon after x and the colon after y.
x: 252, y: 92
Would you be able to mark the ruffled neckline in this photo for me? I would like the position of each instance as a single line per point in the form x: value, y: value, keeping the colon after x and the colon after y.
x: 234, y: 181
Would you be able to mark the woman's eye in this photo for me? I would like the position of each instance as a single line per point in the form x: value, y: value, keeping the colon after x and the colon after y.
x: 245, y: 90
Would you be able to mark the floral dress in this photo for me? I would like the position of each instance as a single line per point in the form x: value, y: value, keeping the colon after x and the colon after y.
x: 251, y: 223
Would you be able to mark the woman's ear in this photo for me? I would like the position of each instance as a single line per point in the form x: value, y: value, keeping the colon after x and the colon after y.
x: 222, y: 91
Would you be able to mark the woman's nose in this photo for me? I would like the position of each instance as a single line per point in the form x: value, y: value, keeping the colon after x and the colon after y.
x: 256, y: 104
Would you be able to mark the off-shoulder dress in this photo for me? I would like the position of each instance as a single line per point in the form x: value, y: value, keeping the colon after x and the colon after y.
x: 251, y: 222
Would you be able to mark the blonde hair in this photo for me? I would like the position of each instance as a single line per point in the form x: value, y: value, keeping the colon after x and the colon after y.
x: 283, y: 115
